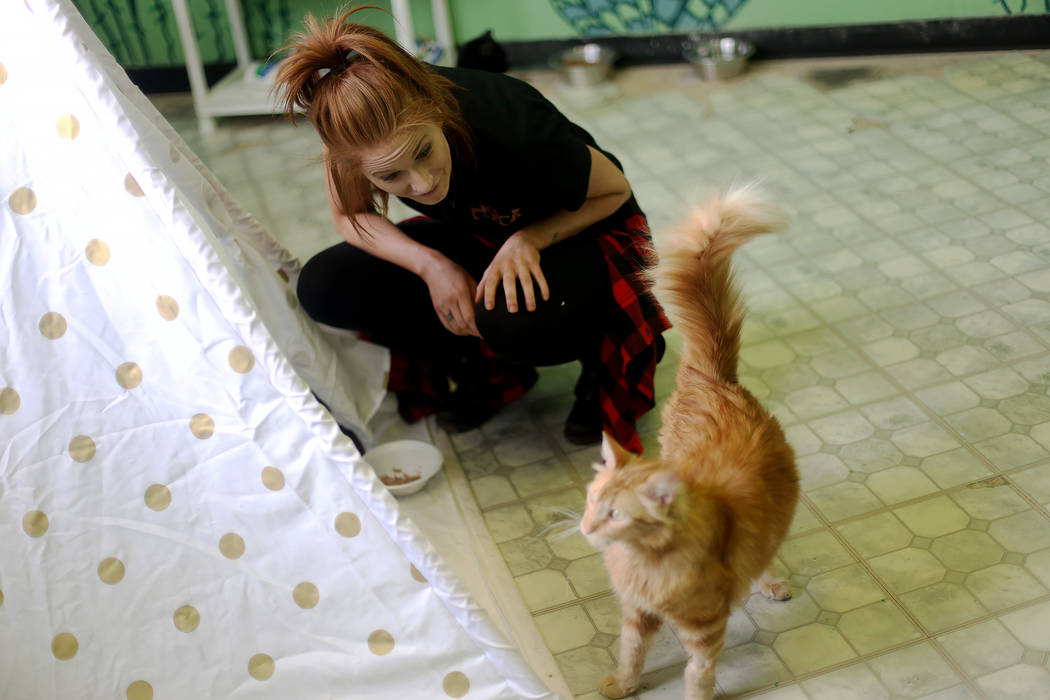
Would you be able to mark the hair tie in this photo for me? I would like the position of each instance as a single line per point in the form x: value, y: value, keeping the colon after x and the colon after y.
x: 340, y: 68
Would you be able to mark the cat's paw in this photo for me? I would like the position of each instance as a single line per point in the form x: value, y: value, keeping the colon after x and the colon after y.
x: 776, y: 589
x: 612, y: 687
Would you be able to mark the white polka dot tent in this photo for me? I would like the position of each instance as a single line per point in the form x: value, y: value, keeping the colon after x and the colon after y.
x: 179, y: 516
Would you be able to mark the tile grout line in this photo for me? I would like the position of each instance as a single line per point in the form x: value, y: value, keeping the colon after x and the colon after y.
x: 573, y: 603
x: 952, y: 279
x: 927, y: 636
x: 826, y: 524
x: 962, y: 442
x: 903, y: 391
x: 908, y: 393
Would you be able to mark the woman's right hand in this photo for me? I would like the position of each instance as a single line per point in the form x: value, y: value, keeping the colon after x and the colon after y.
x: 452, y: 294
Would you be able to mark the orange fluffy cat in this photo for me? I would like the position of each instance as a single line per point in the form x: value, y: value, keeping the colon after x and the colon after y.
x: 686, y: 535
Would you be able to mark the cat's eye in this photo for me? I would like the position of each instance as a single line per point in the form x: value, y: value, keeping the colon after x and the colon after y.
x: 616, y: 514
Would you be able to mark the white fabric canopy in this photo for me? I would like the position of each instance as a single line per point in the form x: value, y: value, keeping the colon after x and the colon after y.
x: 179, y: 517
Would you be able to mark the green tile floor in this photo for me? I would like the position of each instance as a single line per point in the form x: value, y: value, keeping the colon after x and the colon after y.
x: 899, y: 329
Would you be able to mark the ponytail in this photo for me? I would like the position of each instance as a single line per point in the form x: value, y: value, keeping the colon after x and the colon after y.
x: 359, y: 88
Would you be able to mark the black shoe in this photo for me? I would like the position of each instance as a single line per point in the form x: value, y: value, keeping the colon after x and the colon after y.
x: 469, y: 406
x: 584, y: 424
x: 343, y: 429
x: 464, y: 414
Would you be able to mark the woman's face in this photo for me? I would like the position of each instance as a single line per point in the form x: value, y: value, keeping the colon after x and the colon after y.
x: 414, y: 164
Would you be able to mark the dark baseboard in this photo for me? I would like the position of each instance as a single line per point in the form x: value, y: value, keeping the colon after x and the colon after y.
x: 1011, y: 32
x: 161, y: 79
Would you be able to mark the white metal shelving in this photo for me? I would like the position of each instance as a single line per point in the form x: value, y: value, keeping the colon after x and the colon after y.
x: 240, y: 92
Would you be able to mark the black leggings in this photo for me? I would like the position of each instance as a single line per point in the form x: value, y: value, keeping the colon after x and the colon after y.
x: 346, y: 287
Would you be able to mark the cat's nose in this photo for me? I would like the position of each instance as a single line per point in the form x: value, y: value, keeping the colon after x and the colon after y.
x: 586, y: 527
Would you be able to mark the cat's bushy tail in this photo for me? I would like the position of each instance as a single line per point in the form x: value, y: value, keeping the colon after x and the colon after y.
x: 694, y: 281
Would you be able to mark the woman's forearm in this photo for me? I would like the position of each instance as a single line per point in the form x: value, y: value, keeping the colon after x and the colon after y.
x: 565, y: 224
x: 378, y: 236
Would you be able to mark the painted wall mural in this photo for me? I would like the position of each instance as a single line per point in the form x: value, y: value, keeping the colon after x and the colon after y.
x: 142, y: 33
x: 594, y: 17
x: 1018, y: 7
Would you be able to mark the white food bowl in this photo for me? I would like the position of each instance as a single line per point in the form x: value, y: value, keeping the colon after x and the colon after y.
x: 404, y: 459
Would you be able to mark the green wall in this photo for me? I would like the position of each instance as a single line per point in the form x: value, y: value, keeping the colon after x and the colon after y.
x: 142, y: 32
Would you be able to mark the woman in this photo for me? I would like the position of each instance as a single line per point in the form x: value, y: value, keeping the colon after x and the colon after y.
x: 527, y: 252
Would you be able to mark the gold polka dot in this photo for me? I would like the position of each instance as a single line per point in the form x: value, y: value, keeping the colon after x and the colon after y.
x: 456, y: 685
x: 272, y: 478
x: 380, y: 642
x: 129, y: 375
x: 202, y: 426
x: 9, y: 400
x: 289, y: 296
x: 231, y: 545
x: 306, y: 595
x: 132, y: 186
x: 260, y: 667
x: 167, y: 307
x: 1, y: 597
x: 140, y: 690
x: 111, y: 570
x: 97, y: 252
x: 174, y: 153
x: 347, y: 524
x: 22, y: 201
x: 52, y: 325
x: 82, y: 448
x: 283, y: 275
x: 64, y: 646
x: 3, y: 74
x: 186, y: 618
x: 241, y: 359
x: 35, y: 523
x: 157, y: 497
x: 68, y: 127
x: 417, y: 575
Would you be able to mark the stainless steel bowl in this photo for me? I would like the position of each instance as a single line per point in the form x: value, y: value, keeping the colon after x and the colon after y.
x: 585, y: 65
x: 720, y: 58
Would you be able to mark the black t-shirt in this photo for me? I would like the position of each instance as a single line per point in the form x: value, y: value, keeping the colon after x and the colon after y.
x: 530, y: 160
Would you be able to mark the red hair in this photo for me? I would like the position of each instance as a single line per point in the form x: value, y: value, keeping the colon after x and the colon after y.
x: 359, y: 88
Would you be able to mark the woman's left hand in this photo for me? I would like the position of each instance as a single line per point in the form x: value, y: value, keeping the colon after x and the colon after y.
x: 518, y: 260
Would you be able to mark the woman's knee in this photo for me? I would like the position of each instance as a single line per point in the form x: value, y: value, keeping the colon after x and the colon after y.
x: 541, y: 337
x: 497, y: 326
x: 332, y: 284
x: 313, y: 288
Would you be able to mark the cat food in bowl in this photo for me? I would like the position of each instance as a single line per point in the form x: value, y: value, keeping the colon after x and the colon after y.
x: 719, y: 59
x: 404, y: 466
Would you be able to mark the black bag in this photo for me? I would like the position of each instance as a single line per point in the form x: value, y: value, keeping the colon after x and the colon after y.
x: 483, y: 53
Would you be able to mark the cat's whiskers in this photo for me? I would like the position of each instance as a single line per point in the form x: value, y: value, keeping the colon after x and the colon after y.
x: 563, y: 527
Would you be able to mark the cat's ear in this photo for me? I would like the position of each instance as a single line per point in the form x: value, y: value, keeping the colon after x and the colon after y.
x: 613, y: 455
x: 660, y: 489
